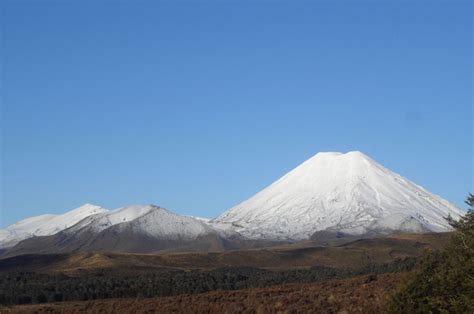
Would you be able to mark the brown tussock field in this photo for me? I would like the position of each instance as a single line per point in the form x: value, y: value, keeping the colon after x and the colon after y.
x: 362, y: 294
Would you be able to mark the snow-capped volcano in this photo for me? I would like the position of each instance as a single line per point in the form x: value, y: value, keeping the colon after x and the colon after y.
x: 45, y: 224
x: 348, y: 193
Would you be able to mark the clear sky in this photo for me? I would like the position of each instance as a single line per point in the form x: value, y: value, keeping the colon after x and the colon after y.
x: 196, y: 106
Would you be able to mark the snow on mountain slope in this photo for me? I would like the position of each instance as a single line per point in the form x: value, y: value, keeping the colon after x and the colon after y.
x: 104, y: 220
x: 203, y: 219
x: 150, y: 220
x: 45, y: 224
x: 163, y: 224
x: 349, y: 193
x: 133, y: 229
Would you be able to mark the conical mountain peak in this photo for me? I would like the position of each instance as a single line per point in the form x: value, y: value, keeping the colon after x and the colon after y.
x: 348, y: 193
x: 331, y: 191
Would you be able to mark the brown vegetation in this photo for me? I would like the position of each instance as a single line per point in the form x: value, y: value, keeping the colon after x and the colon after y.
x: 363, y: 294
x: 262, y: 268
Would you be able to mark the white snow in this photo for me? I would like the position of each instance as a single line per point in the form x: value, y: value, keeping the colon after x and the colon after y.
x: 90, y: 219
x: 147, y: 219
x: 104, y: 220
x: 163, y: 224
x: 45, y: 224
x: 349, y: 193
x: 204, y: 219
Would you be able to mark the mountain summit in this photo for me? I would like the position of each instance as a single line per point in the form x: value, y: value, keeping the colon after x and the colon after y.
x: 349, y: 193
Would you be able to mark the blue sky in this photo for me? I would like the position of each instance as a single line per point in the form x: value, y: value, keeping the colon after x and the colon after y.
x: 195, y: 106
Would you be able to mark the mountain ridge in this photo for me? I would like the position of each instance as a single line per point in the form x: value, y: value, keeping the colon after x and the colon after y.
x: 331, y: 193
x: 46, y: 224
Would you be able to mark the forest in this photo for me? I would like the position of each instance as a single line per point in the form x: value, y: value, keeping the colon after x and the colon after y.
x: 34, y: 287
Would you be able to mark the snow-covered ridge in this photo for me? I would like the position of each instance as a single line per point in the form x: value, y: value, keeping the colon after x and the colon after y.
x: 151, y: 220
x: 104, y: 220
x: 332, y: 191
x: 163, y: 224
x: 45, y: 224
x: 349, y: 193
